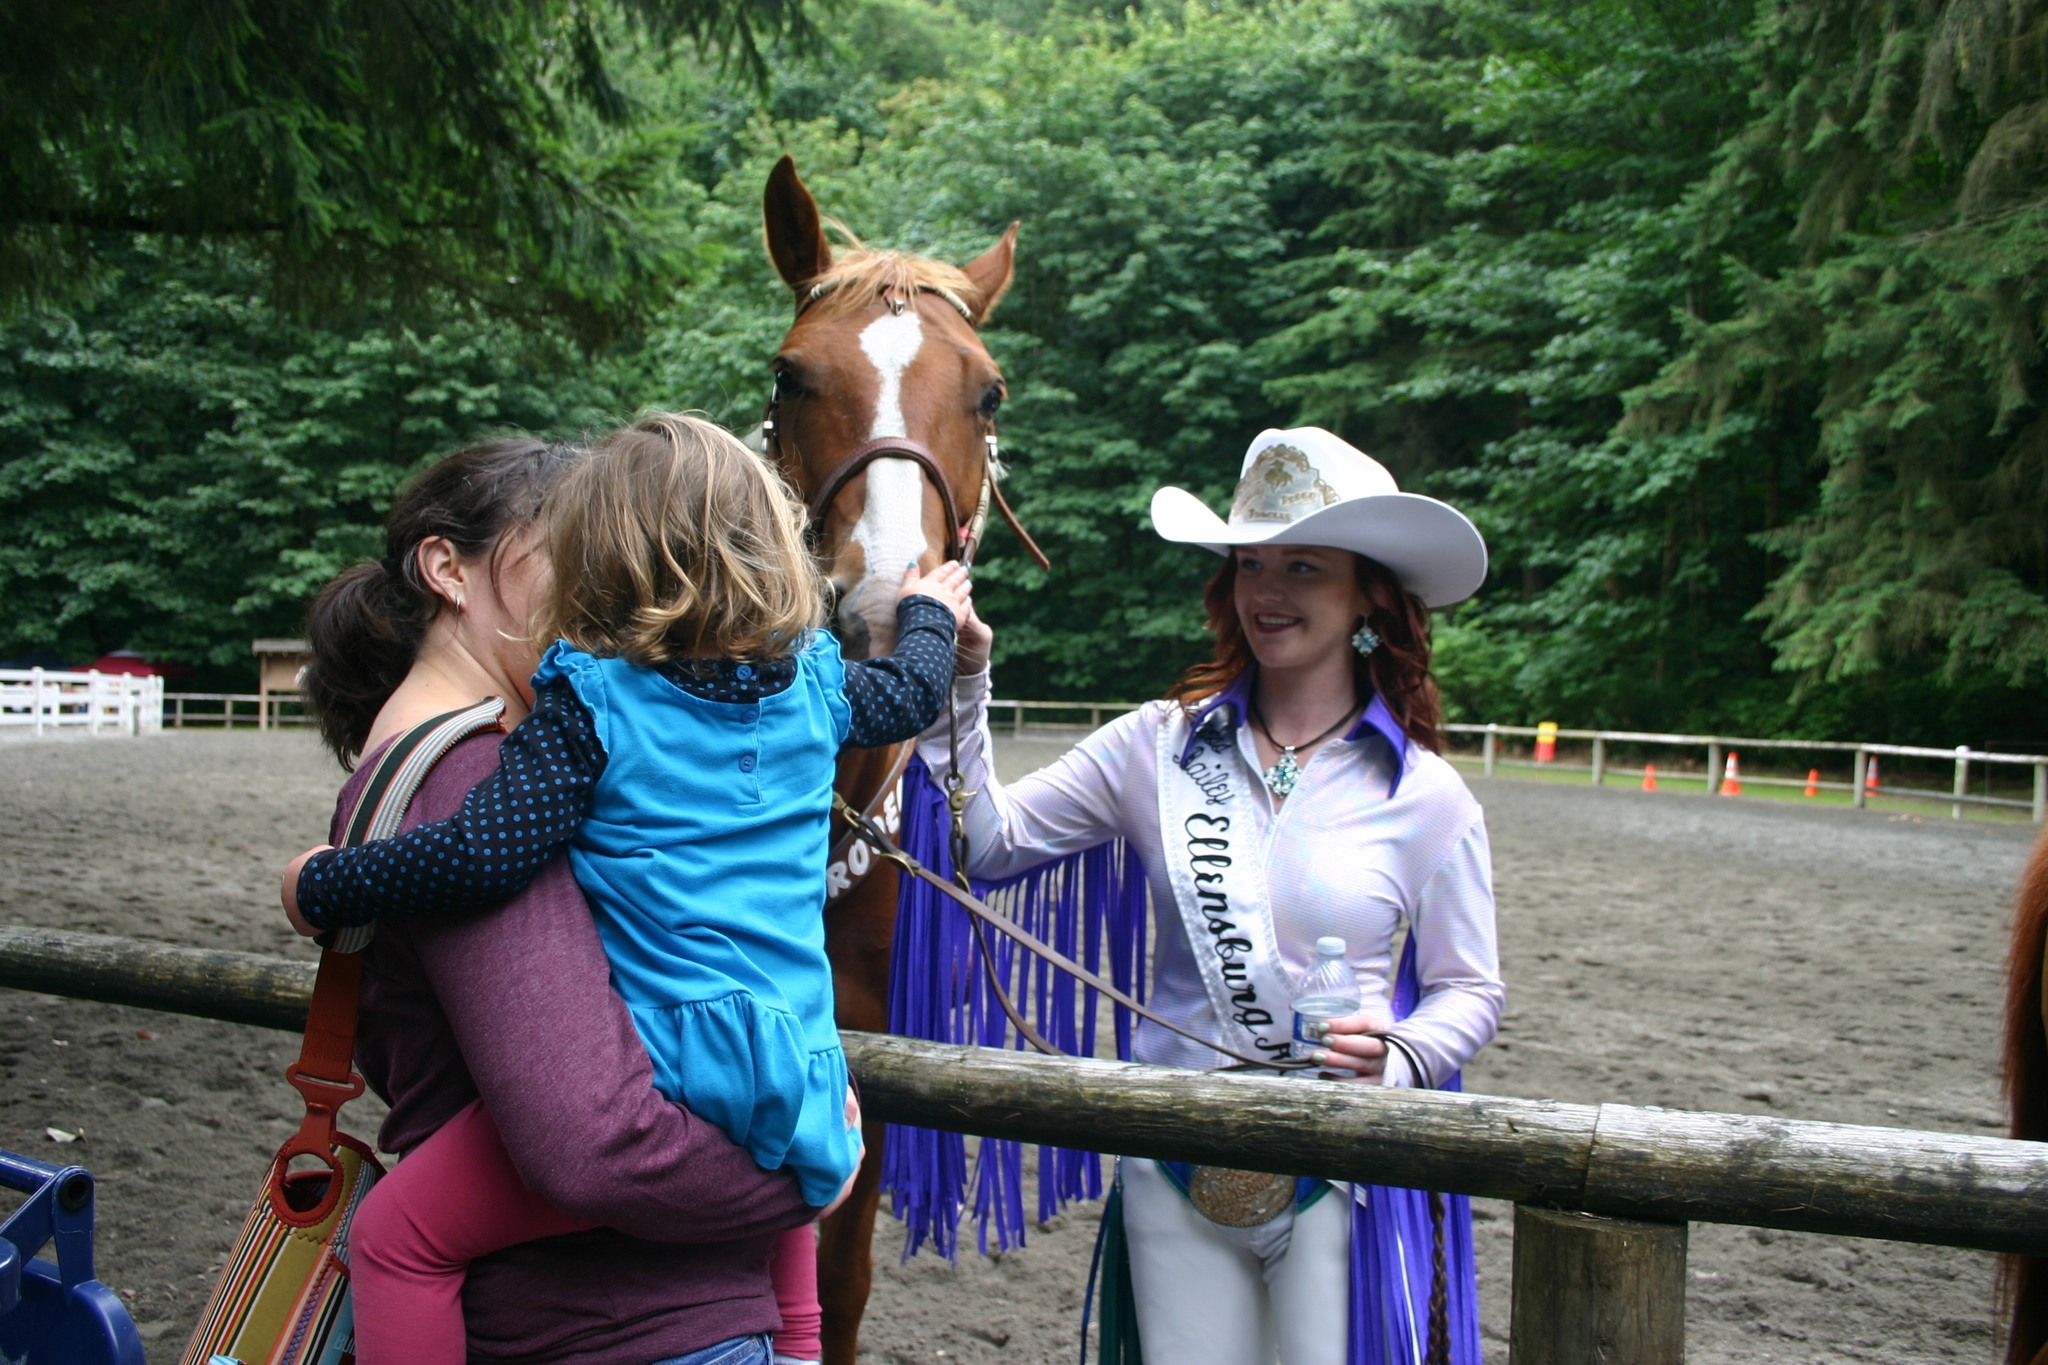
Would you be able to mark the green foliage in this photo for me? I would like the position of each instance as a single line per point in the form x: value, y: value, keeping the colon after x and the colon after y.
x: 1723, y: 318
x: 1485, y: 339
x: 373, y: 150
x: 183, y: 467
x: 1161, y: 166
x: 1908, y: 333
x: 1724, y: 323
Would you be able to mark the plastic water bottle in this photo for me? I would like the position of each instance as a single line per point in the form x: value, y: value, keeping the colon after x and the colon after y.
x: 1327, y: 990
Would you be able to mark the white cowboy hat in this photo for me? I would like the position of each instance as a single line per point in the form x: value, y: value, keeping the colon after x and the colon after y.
x: 1307, y: 487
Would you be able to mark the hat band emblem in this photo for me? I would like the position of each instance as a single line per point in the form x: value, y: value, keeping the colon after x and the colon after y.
x: 1281, y: 486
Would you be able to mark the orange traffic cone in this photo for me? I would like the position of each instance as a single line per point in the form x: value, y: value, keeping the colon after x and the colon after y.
x: 1870, y: 776
x: 1813, y: 782
x: 1649, y: 777
x: 1731, y: 777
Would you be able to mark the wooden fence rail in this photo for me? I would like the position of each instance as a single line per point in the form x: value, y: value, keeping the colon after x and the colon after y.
x: 265, y: 710
x: 1625, y: 1161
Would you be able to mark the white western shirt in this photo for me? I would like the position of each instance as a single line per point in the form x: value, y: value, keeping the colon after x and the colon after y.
x: 1369, y: 838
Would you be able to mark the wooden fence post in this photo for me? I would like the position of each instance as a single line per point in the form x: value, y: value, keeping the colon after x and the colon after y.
x: 1713, y: 766
x: 1861, y: 779
x: 2040, y: 792
x: 1955, y: 810
x: 1599, y: 759
x: 1589, y: 1289
x: 1492, y: 745
x: 36, y: 692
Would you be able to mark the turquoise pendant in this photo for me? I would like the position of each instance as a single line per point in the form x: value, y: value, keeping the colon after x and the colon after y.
x: 1282, y: 776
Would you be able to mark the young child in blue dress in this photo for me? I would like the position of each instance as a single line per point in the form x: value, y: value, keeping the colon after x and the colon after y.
x: 682, y: 746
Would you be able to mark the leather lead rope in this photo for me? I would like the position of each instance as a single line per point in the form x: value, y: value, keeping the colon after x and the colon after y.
x: 982, y: 915
x: 880, y: 799
x: 1439, y: 1286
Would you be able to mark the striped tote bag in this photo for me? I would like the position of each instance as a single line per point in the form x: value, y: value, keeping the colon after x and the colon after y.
x: 283, y: 1297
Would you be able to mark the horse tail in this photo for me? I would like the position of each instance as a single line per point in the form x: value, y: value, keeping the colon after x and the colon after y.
x: 2023, y: 1280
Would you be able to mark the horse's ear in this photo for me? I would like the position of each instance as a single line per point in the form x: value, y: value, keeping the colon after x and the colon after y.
x: 789, y: 221
x: 990, y: 274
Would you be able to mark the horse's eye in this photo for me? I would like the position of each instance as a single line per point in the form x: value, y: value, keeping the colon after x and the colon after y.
x: 787, y: 384
x: 992, y: 400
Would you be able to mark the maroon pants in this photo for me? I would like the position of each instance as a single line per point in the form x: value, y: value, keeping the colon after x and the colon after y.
x: 457, y: 1197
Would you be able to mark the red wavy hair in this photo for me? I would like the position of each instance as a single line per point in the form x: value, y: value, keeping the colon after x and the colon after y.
x: 1398, y: 670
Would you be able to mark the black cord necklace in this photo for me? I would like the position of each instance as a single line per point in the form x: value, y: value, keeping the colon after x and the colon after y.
x: 1282, y: 776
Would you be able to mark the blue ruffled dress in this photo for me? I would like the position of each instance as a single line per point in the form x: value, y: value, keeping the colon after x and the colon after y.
x: 703, y: 858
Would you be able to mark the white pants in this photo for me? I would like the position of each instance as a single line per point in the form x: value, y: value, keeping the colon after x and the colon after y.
x: 1210, y: 1295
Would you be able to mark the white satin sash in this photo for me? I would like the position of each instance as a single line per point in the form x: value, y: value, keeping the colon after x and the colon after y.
x: 1208, y: 833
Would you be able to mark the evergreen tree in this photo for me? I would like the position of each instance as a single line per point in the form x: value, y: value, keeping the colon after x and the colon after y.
x: 1520, y: 259
x: 483, y: 147
x: 182, y: 466
x: 1905, y: 337
x: 1722, y: 317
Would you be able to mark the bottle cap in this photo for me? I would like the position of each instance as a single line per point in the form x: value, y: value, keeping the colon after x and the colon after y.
x: 1330, y: 947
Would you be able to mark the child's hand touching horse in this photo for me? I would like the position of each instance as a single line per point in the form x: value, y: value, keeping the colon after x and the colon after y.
x: 289, y: 893
x: 948, y: 584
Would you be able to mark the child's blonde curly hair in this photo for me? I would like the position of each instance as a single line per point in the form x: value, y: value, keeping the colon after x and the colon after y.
x: 674, y: 541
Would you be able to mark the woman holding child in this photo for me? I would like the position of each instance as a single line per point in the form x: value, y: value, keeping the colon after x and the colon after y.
x: 677, y: 741
x: 1287, y: 791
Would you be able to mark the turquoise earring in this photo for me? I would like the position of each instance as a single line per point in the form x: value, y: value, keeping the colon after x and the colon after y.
x: 1365, y: 640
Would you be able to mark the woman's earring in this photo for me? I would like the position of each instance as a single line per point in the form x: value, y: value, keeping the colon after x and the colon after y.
x: 459, y: 610
x: 1365, y: 639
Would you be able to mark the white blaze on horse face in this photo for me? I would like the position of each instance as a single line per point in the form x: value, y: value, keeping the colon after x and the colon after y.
x: 891, y: 342
x: 890, y: 531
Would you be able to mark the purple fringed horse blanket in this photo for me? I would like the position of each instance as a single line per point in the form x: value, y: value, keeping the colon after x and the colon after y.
x: 1084, y: 905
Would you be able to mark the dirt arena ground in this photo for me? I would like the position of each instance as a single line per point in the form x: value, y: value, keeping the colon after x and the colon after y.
x: 1675, y: 950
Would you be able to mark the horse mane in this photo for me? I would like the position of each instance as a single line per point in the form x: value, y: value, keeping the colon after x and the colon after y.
x: 2023, y: 1280
x: 862, y: 273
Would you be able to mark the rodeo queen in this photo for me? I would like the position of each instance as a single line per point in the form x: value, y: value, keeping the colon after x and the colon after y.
x: 1289, y: 790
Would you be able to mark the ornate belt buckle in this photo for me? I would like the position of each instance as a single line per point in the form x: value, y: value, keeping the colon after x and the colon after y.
x: 1239, y: 1199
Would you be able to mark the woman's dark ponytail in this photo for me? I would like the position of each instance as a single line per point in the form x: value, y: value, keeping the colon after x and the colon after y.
x: 366, y: 626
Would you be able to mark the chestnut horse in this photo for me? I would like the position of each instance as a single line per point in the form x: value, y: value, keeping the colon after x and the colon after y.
x: 883, y: 417
x: 2024, y: 1279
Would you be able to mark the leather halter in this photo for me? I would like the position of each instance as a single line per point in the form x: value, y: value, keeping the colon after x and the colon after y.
x: 961, y: 538
x: 893, y: 448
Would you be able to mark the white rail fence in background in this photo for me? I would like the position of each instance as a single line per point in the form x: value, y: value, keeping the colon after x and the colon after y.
x: 1863, y: 783
x: 44, y: 702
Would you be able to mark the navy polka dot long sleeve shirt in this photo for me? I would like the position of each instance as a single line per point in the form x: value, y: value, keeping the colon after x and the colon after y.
x: 523, y: 814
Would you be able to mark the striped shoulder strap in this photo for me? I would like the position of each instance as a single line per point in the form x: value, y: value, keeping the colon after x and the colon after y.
x: 405, y: 763
x: 325, y: 1071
